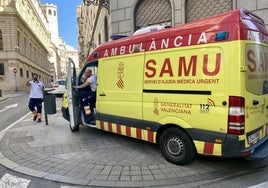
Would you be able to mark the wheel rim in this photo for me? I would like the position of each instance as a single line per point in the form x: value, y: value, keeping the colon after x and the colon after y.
x: 175, y: 146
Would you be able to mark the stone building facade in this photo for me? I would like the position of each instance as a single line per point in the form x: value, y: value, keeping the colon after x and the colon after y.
x: 30, y: 43
x: 95, y: 23
x: 51, y: 13
x: 94, y: 27
x: 24, y: 42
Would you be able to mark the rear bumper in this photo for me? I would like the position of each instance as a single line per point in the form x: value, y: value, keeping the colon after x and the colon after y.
x: 232, y: 146
x: 260, y: 151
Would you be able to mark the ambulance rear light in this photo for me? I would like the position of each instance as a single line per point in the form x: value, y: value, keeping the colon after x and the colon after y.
x: 221, y: 36
x: 245, y: 153
x: 236, y: 115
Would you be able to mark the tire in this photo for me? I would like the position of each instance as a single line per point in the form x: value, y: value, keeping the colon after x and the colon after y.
x: 75, y: 128
x: 176, y: 146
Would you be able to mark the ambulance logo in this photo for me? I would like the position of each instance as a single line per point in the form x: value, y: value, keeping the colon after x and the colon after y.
x: 210, y: 102
x: 120, y: 84
x: 120, y: 73
x: 205, y: 108
x: 156, y: 105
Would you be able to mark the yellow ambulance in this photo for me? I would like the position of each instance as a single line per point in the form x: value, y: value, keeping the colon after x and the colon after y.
x: 197, y: 88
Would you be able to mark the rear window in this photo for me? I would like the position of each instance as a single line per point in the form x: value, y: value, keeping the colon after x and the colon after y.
x: 257, y: 68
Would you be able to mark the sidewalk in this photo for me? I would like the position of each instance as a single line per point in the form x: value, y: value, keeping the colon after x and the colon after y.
x: 6, y: 95
x: 97, y: 158
x: 3, y: 98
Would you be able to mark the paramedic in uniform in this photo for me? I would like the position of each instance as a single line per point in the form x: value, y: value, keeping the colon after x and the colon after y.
x: 91, y: 82
x: 36, y: 97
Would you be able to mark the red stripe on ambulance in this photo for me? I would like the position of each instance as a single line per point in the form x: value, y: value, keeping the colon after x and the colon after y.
x: 138, y: 133
x: 151, y: 136
x: 110, y: 127
x: 208, y: 148
x: 118, y: 129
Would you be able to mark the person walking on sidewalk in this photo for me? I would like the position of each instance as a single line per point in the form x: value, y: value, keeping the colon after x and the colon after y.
x: 36, y: 97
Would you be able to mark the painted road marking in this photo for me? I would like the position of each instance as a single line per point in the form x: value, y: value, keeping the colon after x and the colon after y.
x: 16, y: 122
x: 10, y: 181
x: 9, y: 106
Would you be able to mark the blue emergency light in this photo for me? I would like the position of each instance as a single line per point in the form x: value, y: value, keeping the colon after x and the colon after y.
x: 221, y: 36
x: 96, y: 54
x: 118, y: 36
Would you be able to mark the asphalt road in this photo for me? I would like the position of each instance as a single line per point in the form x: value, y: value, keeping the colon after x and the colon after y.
x: 12, y: 109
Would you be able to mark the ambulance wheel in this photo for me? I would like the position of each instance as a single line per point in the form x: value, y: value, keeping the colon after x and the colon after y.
x: 176, y: 146
x: 74, y: 128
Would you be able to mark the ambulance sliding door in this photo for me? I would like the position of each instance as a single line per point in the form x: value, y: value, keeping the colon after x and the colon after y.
x: 119, y: 92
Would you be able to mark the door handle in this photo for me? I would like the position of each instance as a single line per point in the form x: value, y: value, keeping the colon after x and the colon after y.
x: 102, y: 95
x: 255, y: 102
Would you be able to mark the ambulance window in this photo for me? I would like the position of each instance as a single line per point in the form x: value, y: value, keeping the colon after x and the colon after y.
x: 93, y: 66
x: 257, y: 68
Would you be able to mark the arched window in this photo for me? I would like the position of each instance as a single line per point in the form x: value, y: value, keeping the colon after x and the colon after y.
x: 148, y: 13
x: 55, y: 13
x: 106, y: 30
x: 196, y: 9
x: 49, y: 12
x: 1, y: 40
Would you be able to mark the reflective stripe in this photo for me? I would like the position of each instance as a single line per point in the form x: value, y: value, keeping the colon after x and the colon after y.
x: 208, y: 148
x: 133, y: 132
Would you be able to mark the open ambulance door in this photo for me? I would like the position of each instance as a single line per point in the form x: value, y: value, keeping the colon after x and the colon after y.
x: 73, y: 99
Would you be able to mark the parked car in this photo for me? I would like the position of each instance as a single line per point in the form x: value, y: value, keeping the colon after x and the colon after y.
x: 59, y: 87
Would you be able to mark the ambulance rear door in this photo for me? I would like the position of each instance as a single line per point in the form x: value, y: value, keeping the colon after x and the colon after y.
x: 255, y: 44
x: 256, y: 92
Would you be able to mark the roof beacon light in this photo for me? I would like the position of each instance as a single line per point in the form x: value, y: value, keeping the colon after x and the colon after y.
x: 221, y: 36
x: 117, y: 36
x: 96, y: 54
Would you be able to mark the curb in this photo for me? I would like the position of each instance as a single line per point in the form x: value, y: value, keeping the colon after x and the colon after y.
x: 3, y: 98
